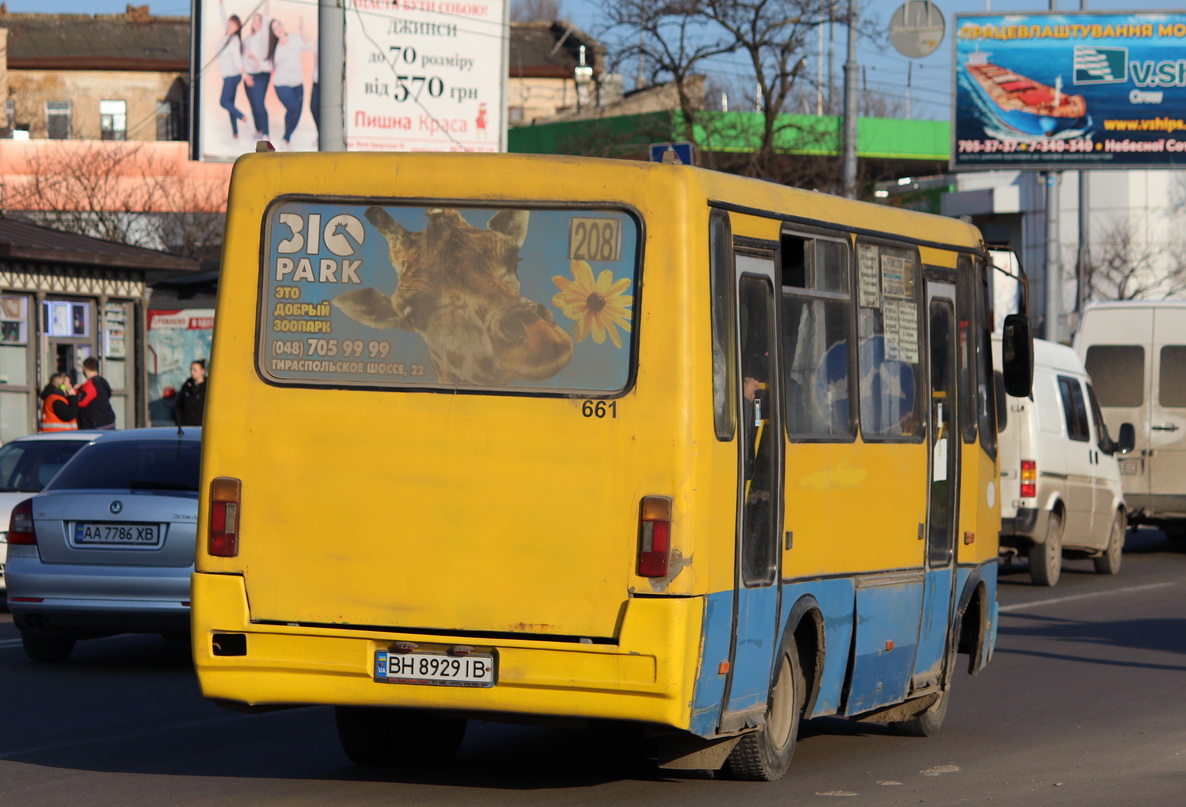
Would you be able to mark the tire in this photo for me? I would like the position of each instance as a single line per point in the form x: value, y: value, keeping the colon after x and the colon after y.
x: 1109, y: 561
x: 1046, y: 557
x: 765, y: 755
x: 46, y: 649
x: 929, y: 722
x: 394, y: 737
x: 365, y: 735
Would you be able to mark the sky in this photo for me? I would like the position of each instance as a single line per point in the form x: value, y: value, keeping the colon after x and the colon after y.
x: 884, y: 70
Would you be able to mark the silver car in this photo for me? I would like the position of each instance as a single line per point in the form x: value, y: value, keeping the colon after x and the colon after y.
x: 26, y: 466
x: 108, y: 545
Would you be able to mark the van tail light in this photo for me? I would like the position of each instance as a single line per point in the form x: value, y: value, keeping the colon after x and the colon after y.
x: 223, y: 541
x: 1029, y: 479
x: 654, y: 536
x: 20, y: 525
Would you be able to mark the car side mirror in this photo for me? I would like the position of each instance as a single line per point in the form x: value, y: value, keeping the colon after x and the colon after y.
x: 1017, y: 356
x: 1127, y: 438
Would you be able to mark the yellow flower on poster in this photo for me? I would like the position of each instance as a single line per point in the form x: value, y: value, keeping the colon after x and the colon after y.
x: 598, y: 306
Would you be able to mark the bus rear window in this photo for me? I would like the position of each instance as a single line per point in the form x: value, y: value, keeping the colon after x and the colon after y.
x: 386, y: 295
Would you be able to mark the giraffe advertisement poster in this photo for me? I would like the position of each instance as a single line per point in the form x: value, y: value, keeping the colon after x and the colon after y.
x: 1060, y: 90
x: 381, y: 296
x: 425, y: 75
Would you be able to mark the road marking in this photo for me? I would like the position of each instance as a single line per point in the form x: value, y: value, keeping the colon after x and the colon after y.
x: 10, y: 643
x: 128, y: 733
x: 1021, y: 606
x: 939, y: 770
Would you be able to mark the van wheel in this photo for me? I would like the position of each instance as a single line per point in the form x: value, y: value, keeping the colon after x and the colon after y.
x: 376, y: 736
x: 1109, y: 561
x: 765, y: 755
x: 47, y: 649
x: 1046, y: 557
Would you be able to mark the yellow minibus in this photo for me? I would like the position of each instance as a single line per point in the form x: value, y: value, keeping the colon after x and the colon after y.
x: 533, y: 438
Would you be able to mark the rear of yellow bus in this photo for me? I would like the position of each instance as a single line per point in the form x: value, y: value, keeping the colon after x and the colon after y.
x: 436, y: 474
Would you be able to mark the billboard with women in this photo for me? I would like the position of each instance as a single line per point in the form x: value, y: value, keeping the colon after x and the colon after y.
x: 420, y: 75
x: 255, y: 76
x: 1069, y: 90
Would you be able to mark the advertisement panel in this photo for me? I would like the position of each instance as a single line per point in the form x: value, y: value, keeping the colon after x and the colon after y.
x: 419, y: 296
x: 1054, y: 90
x: 255, y: 76
x: 176, y: 339
x: 425, y: 75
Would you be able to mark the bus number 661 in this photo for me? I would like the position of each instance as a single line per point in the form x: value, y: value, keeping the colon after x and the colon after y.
x: 599, y: 409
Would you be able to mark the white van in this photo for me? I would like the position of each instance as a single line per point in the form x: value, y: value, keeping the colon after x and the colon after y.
x: 1136, y: 352
x: 1060, y: 483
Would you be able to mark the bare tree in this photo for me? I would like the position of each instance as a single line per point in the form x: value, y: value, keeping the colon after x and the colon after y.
x: 769, y: 42
x: 118, y: 192
x: 536, y: 10
x: 1126, y: 267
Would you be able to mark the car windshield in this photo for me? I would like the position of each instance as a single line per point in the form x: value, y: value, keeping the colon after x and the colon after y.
x: 134, y: 465
x: 28, y: 465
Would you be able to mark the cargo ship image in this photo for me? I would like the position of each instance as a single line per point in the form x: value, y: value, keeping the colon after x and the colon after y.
x: 1023, y: 104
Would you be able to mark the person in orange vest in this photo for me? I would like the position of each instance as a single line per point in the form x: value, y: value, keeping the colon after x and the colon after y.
x: 59, y: 405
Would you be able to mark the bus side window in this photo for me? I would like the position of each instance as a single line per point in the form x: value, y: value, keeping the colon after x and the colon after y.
x: 816, y: 330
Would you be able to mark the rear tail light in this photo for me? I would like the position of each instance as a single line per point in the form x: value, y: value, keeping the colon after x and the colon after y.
x: 654, y: 536
x: 20, y: 525
x: 223, y: 541
x: 1029, y: 479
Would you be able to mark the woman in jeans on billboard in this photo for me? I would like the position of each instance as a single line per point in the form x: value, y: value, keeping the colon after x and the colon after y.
x: 288, y: 75
x: 230, y: 65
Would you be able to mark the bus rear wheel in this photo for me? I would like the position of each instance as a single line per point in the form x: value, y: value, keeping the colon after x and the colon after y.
x: 373, y: 736
x: 765, y: 755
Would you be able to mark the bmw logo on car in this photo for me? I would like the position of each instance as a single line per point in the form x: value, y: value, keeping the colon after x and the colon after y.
x: 116, y: 506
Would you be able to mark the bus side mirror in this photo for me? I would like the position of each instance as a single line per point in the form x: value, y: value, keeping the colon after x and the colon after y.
x: 1127, y: 438
x: 1017, y: 356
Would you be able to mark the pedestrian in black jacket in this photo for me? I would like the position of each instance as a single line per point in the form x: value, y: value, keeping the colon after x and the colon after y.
x: 94, y: 398
x: 191, y: 400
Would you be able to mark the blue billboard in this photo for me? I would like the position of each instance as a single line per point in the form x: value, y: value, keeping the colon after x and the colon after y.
x: 1055, y: 90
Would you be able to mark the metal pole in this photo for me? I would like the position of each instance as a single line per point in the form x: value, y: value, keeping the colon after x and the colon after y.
x: 1052, y: 327
x: 1083, y: 257
x: 331, y: 75
x: 850, y: 107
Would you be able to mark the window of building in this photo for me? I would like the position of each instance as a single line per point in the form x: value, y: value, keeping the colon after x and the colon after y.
x: 113, y: 120
x: 170, y: 125
x: 58, y: 120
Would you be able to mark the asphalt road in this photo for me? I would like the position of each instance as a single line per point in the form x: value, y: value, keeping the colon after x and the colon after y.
x: 1082, y: 705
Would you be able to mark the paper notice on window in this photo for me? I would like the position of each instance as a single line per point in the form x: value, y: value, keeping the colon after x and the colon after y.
x: 907, y: 331
x: 939, y: 461
x: 868, y: 277
x: 891, y: 329
x: 893, y: 276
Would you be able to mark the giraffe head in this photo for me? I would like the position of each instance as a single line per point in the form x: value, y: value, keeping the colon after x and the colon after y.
x: 459, y: 289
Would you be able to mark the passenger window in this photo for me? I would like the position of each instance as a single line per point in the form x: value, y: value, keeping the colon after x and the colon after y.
x: 966, y: 349
x: 989, y: 396
x: 1118, y: 372
x: 1074, y: 408
x: 890, y: 372
x: 816, y: 331
x: 1172, y: 378
x: 1103, y: 439
x: 720, y: 251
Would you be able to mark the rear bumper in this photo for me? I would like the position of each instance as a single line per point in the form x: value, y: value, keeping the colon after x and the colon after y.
x: 1155, y: 508
x: 95, y: 599
x: 1027, y: 527
x: 647, y: 676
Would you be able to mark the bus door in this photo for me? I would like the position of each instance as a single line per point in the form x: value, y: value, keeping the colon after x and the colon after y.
x: 943, y: 496
x: 759, y: 511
